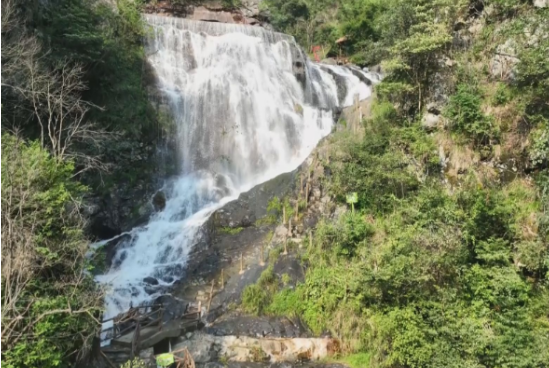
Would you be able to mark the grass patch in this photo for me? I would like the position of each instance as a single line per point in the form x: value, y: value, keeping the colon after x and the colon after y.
x: 274, y: 254
x: 266, y: 220
x: 358, y: 360
x: 231, y: 230
x: 285, y: 303
x: 256, y: 297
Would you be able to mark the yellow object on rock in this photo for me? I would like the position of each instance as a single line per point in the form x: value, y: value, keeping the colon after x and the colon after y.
x: 165, y: 360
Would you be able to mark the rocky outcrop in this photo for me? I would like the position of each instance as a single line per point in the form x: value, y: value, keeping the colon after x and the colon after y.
x: 206, y: 348
x: 432, y: 117
x: 251, y: 8
x: 352, y: 116
x: 212, y: 11
x: 252, y: 205
x: 503, y: 64
x: 203, y: 13
x: 125, y: 205
x: 235, y: 324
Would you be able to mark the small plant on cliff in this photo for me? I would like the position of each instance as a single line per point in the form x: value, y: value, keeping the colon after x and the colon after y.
x: 231, y: 230
x: 276, y: 208
x: 135, y: 363
x: 286, y: 279
x: 539, y: 151
x: 258, y: 355
x: 254, y: 299
x: 466, y: 116
x: 232, y: 4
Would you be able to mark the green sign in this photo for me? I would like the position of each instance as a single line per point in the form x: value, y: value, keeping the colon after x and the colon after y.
x: 165, y: 360
x: 352, y: 198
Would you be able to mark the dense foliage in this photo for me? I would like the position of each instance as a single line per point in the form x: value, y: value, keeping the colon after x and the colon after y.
x: 445, y: 261
x: 49, y: 302
x: 74, y: 107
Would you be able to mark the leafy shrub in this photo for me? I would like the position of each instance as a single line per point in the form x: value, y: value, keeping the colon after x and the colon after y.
x: 347, y: 235
x: 267, y: 277
x: 135, y: 363
x: 502, y: 95
x: 49, y: 301
x: 254, y: 299
x: 358, y: 360
x: 377, y: 168
x: 539, y: 150
x: 437, y: 278
x: 465, y: 114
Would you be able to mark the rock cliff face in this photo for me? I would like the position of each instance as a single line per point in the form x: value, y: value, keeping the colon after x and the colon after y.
x: 213, y: 11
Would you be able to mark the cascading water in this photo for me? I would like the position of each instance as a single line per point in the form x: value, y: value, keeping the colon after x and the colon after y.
x: 248, y: 106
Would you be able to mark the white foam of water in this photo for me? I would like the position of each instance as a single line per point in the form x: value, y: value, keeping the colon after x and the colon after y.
x: 242, y: 118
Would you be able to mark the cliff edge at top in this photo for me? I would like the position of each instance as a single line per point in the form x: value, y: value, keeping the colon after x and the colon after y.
x: 227, y: 11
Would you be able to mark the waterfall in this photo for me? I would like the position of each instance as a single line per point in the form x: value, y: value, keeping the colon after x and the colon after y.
x: 249, y: 106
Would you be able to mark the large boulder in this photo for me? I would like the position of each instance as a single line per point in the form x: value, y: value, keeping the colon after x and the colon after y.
x: 503, y: 64
x: 430, y: 121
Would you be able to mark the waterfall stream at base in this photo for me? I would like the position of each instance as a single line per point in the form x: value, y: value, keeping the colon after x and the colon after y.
x: 248, y: 106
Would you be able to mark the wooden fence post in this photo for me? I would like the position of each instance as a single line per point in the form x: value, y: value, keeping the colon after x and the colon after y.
x: 241, y: 264
x: 211, y: 296
x: 262, y: 255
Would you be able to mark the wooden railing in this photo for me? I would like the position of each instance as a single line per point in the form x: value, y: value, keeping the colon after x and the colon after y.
x: 152, y: 315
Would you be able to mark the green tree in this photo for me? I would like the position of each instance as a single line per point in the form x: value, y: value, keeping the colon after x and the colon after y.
x: 49, y: 301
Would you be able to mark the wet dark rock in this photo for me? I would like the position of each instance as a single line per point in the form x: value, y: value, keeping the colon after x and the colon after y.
x: 232, y: 291
x: 156, y: 289
x: 111, y: 248
x: 214, y: 314
x: 150, y: 280
x: 252, y: 205
x: 174, y: 307
x: 298, y: 68
x: 256, y: 326
x: 290, y: 266
x: 341, y: 84
x: 214, y: 365
x: 123, y: 208
x: 159, y: 201
x: 361, y: 76
x: 201, y: 258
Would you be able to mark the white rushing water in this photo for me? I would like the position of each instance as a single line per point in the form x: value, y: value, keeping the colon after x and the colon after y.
x: 243, y: 117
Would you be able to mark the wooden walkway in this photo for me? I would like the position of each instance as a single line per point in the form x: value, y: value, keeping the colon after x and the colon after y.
x: 143, y: 327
